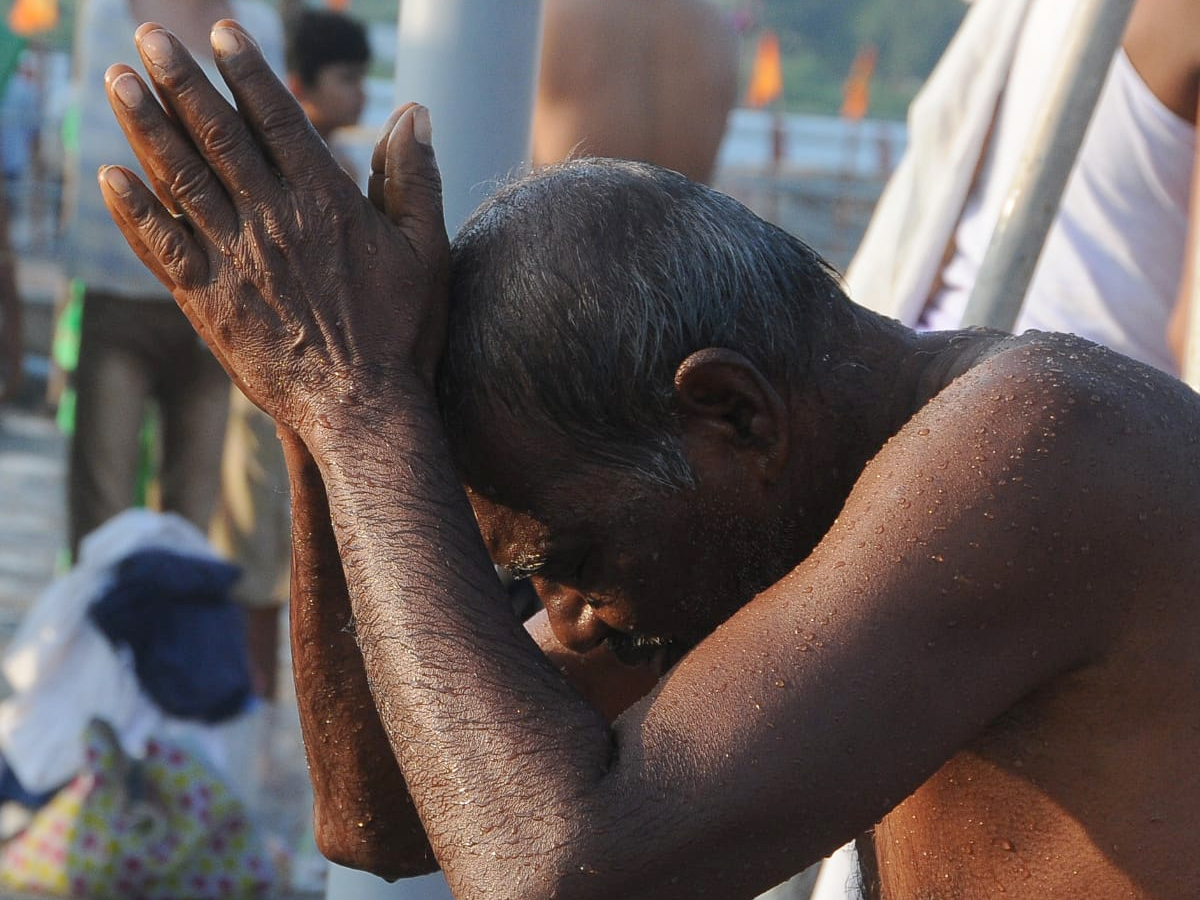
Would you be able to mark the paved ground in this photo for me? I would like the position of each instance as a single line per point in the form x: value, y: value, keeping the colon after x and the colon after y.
x: 32, y: 512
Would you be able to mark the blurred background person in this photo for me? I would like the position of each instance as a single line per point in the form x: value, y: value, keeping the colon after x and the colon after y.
x: 327, y: 55
x: 11, y: 332
x: 1112, y: 268
x: 136, y: 347
x: 20, y: 121
x: 649, y: 80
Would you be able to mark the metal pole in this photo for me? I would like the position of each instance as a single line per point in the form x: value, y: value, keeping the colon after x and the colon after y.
x: 1041, y: 177
x: 474, y: 63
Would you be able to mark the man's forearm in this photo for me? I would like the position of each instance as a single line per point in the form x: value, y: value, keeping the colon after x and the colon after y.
x: 363, y: 816
x: 478, y: 718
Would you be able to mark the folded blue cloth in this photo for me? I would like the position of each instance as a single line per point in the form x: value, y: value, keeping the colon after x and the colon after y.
x: 12, y: 791
x: 187, y: 637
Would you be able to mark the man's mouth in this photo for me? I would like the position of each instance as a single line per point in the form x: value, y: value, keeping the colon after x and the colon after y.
x: 641, y: 650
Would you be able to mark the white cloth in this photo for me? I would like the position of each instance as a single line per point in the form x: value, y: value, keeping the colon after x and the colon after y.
x: 948, y: 123
x: 63, y: 671
x: 97, y: 253
x: 20, y: 117
x: 1113, y: 259
x: 839, y: 878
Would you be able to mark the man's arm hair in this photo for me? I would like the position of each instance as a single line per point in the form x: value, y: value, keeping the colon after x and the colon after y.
x: 363, y: 816
x: 804, y: 719
x: 362, y: 813
x: 985, y: 551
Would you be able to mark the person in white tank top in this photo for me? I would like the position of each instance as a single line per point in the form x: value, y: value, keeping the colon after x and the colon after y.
x: 1115, y: 258
x: 1111, y: 267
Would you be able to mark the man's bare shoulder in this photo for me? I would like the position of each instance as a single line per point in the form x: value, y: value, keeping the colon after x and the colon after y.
x: 1055, y: 482
x: 1036, y: 378
x: 1048, y: 449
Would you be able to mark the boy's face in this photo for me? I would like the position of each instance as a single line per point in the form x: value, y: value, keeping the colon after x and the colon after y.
x: 337, y: 97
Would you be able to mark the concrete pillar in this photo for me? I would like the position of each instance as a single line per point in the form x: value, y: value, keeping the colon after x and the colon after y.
x: 474, y: 64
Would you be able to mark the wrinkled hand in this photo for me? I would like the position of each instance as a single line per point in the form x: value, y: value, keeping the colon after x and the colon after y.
x: 308, y: 294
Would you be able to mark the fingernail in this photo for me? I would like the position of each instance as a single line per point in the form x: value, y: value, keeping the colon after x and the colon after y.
x: 128, y: 90
x: 117, y: 180
x: 157, y: 47
x: 226, y: 41
x: 422, y: 126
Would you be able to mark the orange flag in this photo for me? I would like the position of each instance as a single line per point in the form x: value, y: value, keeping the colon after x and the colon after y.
x: 856, y: 94
x: 28, y: 17
x: 338, y: 5
x: 766, y: 81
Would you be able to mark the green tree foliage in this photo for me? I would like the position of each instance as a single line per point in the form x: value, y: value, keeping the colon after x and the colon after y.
x: 820, y: 38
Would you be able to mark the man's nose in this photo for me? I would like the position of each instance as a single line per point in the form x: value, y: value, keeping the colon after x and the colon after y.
x: 574, y: 622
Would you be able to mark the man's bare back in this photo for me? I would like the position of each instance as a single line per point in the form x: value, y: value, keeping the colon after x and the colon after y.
x: 651, y: 80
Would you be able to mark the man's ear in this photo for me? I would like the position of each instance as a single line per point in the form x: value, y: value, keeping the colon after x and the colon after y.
x: 727, y: 404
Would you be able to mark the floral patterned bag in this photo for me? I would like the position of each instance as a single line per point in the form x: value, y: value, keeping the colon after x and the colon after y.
x: 162, y: 828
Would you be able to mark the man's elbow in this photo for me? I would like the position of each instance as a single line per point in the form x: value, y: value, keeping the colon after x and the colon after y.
x: 387, y: 854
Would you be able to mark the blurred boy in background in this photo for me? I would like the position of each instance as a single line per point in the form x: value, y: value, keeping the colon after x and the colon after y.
x: 327, y: 59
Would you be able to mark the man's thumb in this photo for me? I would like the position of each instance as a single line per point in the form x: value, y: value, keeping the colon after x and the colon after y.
x: 412, y: 185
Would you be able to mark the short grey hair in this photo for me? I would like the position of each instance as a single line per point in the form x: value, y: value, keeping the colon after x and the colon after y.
x: 576, y: 292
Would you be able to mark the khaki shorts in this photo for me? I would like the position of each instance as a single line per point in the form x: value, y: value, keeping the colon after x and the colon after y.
x: 252, y: 524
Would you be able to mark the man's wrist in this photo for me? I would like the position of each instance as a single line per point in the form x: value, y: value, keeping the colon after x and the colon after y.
x: 382, y: 424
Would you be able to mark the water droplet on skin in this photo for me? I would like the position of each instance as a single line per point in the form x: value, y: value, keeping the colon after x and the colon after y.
x: 923, y: 431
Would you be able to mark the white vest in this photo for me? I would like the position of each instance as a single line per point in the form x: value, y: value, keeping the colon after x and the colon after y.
x: 1113, y: 259
x: 1112, y: 262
